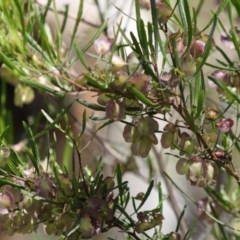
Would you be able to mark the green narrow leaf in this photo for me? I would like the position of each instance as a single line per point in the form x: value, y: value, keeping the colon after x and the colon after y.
x: 65, y: 18
x: 225, y: 56
x: 81, y: 57
x: 236, y: 4
x: 83, y: 123
x: 119, y: 182
x: 94, y: 82
x: 221, y: 6
x: 13, y: 167
x: 123, y: 211
x: 90, y: 105
x: 6, y: 182
x: 135, y: 46
x: 207, y: 47
x: 225, y: 88
x: 199, y: 95
x: 78, y: 20
x: 187, y: 21
x: 46, y: 10
x: 141, y: 30
x: 146, y: 195
x: 21, y: 18
x: 234, y: 36
x: 138, y: 95
x: 34, y: 154
x: 180, y: 218
x: 43, y: 87
x: 160, y: 197
x: 53, y: 122
x: 37, y: 47
x: 143, y: 39
x: 10, y: 64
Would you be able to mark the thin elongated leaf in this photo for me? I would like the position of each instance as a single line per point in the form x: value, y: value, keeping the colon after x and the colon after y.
x: 178, y: 188
x: 95, y: 82
x: 3, y: 134
x: 13, y: 167
x: 65, y: 18
x: 208, y: 47
x: 90, y: 105
x: 141, y: 30
x: 78, y: 20
x: 119, y: 181
x: 34, y: 153
x: 199, y: 95
x: 138, y: 95
x: 54, y: 123
x: 225, y: 88
x: 43, y: 87
x: 236, y: 4
x: 160, y: 197
x: 234, y: 37
x: 221, y: 6
x: 83, y: 123
x: 81, y: 57
x: 225, y: 56
x: 4, y: 182
x: 46, y: 10
x: 135, y: 46
x: 180, y: 218
x: 186, y: 20
x: 146, y: 195
x: 143, y: 39
x: 98, y: 33
x: 38, y: 48
x: 21, y: 18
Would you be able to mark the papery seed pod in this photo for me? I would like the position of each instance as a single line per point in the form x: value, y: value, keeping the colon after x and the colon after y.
x: 204, y: 209
x: 167, y: 140
x: 143, y: 226
x: 182, y: 166
x: 197, y: 48
x: 146, y: 126
x: 132, y: 104
x: 5, y: 203
x: 117, y: 63
x: 103, y: 45
x: 4, y: 154
x: 85, y: 227
x: 45, y: 186
x: 104, y: 98
x: 141, y: 146
x: 115, y: 110
x: 188, y: 147
x: 195, y: 173
x: 133, y: 64
x: 212, y: 114
x: 164, y: 12
x: 169, y: 79
x: 109, y: 183
x: 210, y: 172
x: 224, y: 125
x: 188, y: 66
x: 141, y: 82
x: 174, y: 236
x: 66, y: 184
x: 128, y: 132
x: 140, y: 196
x: 120, y: 81
x: 27, y: 202
x: 23, y: 95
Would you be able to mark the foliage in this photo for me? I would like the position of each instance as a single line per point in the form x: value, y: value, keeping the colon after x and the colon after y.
x: 136, y: 90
